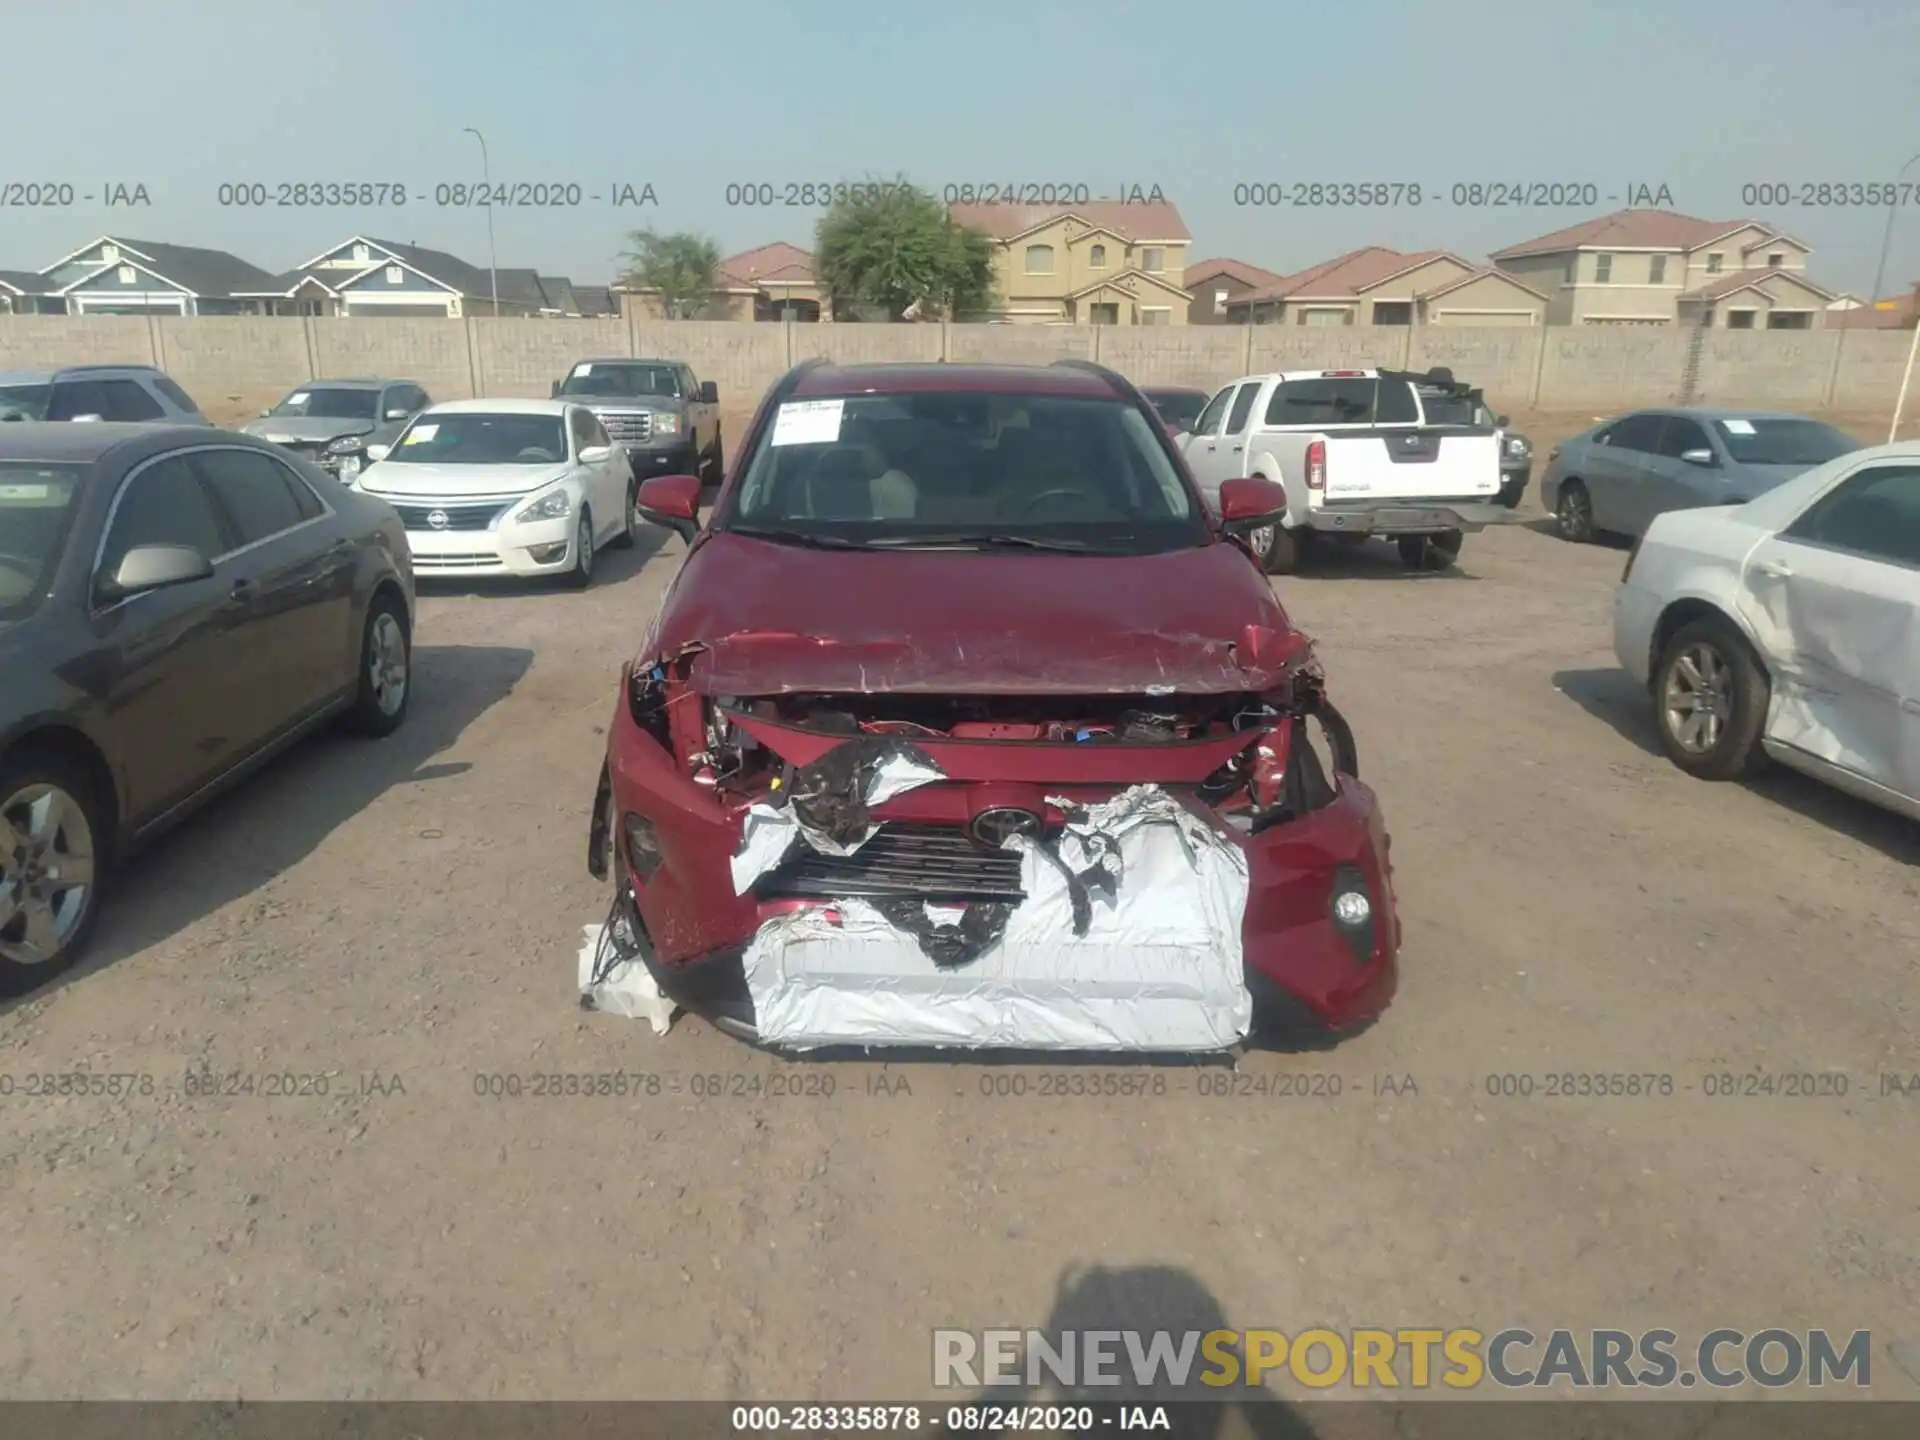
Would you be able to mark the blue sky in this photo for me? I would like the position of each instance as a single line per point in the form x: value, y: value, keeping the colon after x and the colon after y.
x: 1702, y: 97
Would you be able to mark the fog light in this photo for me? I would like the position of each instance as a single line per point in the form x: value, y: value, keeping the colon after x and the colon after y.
x: 1350, y: 907
x: 643, y: 847
x: 547, y: 554
x: 1352, y: 912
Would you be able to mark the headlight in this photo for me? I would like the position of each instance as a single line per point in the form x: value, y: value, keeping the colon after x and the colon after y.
x: 1517, y: 445
x: 666, y: 424
x: 554, y: 505
x: 346, y: 444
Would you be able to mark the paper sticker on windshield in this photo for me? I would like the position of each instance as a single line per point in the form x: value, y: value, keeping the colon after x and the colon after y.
x: 25, y: 492
x: 808, y: 422
x: 1739, y: 427
x: 580, y: 370
x: 299, y: 398
x: 421, y: 432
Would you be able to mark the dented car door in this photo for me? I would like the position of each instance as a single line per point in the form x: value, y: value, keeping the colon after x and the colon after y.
x: 1834, y: 599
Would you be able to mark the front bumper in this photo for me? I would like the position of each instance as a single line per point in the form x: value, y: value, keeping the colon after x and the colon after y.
x: 676, y: 457
x: 543, y: 547
x: 697, y: 929
x: 1407, y: 517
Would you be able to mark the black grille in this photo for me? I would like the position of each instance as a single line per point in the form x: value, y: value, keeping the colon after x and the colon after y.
x: 924, y: 862
x: 459, y: 517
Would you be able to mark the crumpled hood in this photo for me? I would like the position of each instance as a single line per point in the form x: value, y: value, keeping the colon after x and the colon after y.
x: 772, y: 618
x: 306, y: 428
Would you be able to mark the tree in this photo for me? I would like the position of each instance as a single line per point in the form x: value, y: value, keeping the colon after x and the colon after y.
x: 679, y: 268
x: 891, y: 245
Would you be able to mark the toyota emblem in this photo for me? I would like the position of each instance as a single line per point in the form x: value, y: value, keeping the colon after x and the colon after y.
x: 439, y: 519
x: 993, y: 828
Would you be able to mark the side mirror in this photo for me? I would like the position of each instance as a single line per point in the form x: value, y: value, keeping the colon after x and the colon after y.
x: 554, y: 393
x: 672, y: 501
x: 709, y: 393
x: 155, y: 567
x: 594, y: 454
x: 1250, y: 501
x: 377, y: 453
x: 1699, y: 457
x: 1503, y: 421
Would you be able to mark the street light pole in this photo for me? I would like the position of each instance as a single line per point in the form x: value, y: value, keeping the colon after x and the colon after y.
x: 486, y: 178
x: 1879, y: 271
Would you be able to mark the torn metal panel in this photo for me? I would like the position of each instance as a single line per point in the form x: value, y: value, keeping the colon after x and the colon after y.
x: 827, y: 806
x: 1158, y: 966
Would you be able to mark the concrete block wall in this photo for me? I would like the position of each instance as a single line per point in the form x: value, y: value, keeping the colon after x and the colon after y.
x: 1556, y: 368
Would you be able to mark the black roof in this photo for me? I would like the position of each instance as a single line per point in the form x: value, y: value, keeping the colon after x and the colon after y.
x: 205, y: 272
x: 57, y: 442
x: 25, y: 281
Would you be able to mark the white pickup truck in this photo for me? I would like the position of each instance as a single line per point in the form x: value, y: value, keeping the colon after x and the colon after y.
x: 1358, y: 455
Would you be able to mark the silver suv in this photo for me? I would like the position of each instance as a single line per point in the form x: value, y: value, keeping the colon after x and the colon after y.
x: 667, y: 419
x: 137, y: 393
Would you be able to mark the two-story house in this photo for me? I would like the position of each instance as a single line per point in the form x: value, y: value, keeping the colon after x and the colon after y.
x: 1655, y: 267
x: 1104, y: 263
x: 112, y: 275
x: 364, y: 276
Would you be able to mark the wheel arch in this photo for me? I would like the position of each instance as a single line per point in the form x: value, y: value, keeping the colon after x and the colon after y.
x: 1683, y: 610
x: 61, y: 737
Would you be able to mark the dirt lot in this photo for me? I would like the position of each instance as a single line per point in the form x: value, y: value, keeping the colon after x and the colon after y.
x: 402, y: 918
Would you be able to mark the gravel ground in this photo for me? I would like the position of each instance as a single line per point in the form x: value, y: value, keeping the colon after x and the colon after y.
x: 401, y: 918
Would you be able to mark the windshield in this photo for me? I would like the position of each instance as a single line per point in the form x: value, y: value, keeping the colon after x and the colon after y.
x: 1179, y: 411
x: 476, y: 438
x: 966, y: 470
x: 24, y: 402
x: 1783, y: 442
x: 330, y: 402
x: 657, y: 382
x: 36, y: 511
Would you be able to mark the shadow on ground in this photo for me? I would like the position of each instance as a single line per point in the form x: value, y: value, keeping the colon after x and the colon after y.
x: 281, y: 814
x: 1611, y: 696
x: 1142, y: 1299
x: 1361, y: 559
x: 611, y: 567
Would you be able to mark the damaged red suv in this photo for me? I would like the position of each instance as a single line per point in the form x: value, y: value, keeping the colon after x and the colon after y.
x: 967, y: 723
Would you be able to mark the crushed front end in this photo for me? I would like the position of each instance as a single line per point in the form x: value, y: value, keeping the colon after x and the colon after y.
x: 1069, y: 871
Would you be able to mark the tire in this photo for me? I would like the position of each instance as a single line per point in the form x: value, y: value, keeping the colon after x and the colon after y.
x: 1512, y: 493
x: 718, y: 461
x: 581, y: 576
x: 386, y: 670
x: 1573, y: 513
x: 47, y: 800
x: 1708, y: 669
x: 1439, y: 551
x: 1283, y: 555
x: 629, y: 529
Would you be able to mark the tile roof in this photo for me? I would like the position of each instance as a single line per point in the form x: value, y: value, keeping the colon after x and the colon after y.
x: 1238, y: 269
x: 1132, y: 223
x: 1347, y: 276
x: 1740, y: 279
x: 1632, y: 230
x: 203, y: 271
x: 778, y: 263
x: 596, y: 300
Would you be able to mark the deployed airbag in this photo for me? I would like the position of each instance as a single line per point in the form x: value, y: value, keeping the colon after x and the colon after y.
x: 1158, y: 968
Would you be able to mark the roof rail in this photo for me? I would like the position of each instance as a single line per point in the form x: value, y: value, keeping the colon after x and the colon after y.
x: 88, y: 369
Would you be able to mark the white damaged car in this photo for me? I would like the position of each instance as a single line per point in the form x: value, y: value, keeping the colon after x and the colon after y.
x: 507, y: 487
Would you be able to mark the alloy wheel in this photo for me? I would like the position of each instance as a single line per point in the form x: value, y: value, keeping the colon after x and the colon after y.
x: 46, y: 873
x: 387, y: 663
x: 1697, y: 698
x: 583, y: 545
x: 1575, y: 513
x: 1260, y: 541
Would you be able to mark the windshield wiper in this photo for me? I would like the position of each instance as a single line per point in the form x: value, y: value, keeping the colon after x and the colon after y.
x: 796, y: 537
x: 983, y: 542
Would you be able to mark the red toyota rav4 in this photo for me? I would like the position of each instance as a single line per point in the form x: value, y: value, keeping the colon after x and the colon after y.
x: 967, y: 723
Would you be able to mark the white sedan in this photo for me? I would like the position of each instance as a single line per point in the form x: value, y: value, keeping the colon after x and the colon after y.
x: 506, y: 487
x: 1788, y: 627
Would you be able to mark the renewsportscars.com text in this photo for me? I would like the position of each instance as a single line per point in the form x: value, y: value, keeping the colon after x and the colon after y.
x: 1418, y: 1359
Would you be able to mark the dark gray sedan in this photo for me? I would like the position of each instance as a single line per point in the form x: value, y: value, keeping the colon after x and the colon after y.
x: 333, y: 422
x: 1617, y: 476
x: 176, y: 605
